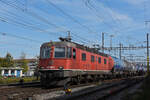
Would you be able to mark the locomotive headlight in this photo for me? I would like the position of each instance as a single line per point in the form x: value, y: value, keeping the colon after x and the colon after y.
x: 61, y: 67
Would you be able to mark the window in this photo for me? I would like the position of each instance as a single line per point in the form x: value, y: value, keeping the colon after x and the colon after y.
x: 105, y: 61
x: 74, y: 53
x: 99, y: 60
x: 45, y: 52
x: 83, y: 57
x: 6, y: 72
x: 92, y: 58
x: 69, y: 52
x: 59, y: 52
x: 12, y: 71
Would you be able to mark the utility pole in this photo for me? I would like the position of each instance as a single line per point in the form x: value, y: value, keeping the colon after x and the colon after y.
x: 103, y: 42
x: 147, y: 54
x: 111, y: 36
x: 120, y: 50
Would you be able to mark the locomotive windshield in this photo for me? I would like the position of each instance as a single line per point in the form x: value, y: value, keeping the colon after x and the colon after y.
x: 45, y: 52
x: 59, y: 52
x: 62, y: 52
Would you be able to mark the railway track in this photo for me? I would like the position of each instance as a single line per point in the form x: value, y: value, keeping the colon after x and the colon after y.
x: 28, y: 91
x: 19, y: 84
x: 102, y: 92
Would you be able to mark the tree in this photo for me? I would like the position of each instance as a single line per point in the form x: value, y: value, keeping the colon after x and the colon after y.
x: 7, y: 61
x: 23, y: 62
x: 24, y: 65
x: 1, y: 62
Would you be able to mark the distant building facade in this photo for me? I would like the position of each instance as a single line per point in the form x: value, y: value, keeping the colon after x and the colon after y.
x: 11, y: 71
x: 32, y: 66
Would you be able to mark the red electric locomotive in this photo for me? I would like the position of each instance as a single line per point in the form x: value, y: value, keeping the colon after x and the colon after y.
x: 66, y: 61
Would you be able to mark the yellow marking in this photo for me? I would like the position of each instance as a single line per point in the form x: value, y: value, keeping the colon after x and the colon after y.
x: 68, y: 91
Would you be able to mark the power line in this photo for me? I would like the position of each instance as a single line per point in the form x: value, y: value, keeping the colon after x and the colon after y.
x: 19, y: 37
x: 116, y: 18
x: 75, y: 34
x: 91, y: 7
x: 33, y: 14
x: 83, y: 40
x: 43, y: 30
x: 27, y: 24
x: 69, y: 16
x: 17, y: 44
x: 17, y: 17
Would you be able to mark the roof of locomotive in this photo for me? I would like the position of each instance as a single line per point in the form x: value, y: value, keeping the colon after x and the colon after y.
x: 75, y: 45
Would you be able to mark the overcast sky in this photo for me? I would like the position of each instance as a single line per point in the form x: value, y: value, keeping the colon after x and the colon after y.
x: 26, y: 24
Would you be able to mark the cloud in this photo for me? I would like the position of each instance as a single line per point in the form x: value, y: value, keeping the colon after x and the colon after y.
x: 135, y: 2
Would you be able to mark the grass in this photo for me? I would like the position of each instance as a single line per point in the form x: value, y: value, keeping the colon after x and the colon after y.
x: 8, y: 80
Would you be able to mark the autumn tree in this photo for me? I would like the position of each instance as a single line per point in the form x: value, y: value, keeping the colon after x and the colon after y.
x: 23, y: 62
x: 1, y: 62
x: 7, y: 61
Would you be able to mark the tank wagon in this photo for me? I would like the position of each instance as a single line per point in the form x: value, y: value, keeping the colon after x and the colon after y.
x: 123, y: 68
x: 65, y: 61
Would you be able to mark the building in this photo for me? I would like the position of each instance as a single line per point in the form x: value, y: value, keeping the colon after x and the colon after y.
x: 16, y: 70
x: 32, y: 66
x: 11, y: 71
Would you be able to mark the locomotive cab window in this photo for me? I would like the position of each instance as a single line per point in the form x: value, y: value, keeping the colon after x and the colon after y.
x: 74, y: 53
x: 45, y: 52
x: 99, y: 60
x: 92, y: 58
x: 105, y: 61
x: 59, y: 52
x: 83, y: 57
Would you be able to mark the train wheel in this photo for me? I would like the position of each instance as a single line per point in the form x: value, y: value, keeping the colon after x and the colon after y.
x: 86, y: 80
x: 78, y: 79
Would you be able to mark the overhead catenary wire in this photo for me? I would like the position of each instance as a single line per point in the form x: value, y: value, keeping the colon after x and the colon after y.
x: 17, y: 44
x: 27, y: 26
x: 114, y: 17
x: 20, y: 37
x: 95, y: 11
x: 17, y: 17
x: 73, y: 33
x: 82, y: 39
x: 75, y: 36
x: 69, y: 16
x: 31, y: 14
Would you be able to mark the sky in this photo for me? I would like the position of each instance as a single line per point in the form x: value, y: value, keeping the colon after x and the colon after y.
x: 26, y: 24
